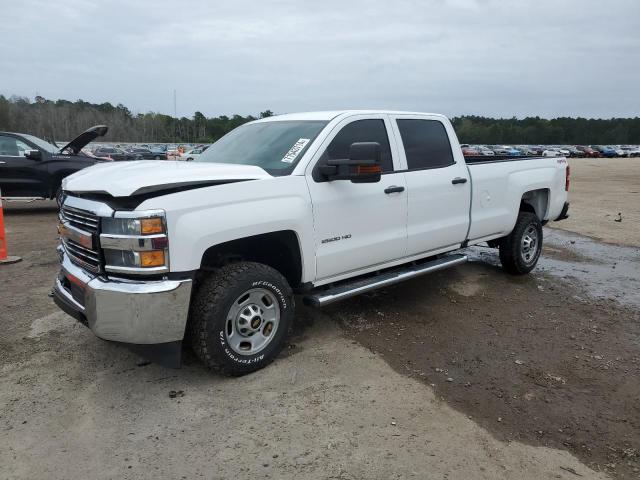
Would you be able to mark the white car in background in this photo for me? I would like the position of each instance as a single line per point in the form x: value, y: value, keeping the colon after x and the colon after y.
x: 631, y: 151
x: 554, y: 152
x: 192, y: 154
x: 485, y: 151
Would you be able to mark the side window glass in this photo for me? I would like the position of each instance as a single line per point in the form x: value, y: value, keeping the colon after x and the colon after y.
x: 426, y: 144
x: 22, y: 147
x: 372, y: 130
x: 9, y: 146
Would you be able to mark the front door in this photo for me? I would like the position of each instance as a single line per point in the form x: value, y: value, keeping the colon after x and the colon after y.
x: 20, y: 176
x: 358, y: 225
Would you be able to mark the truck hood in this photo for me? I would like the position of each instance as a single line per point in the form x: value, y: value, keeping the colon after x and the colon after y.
x: 78, y: 143
x: 124, y: 179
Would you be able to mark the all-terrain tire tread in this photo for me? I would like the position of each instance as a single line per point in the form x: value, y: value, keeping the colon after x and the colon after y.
x: 211, y: 292
x: 510, y: 245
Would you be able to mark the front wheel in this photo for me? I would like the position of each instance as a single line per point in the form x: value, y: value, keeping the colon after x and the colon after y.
x: 240, y: 318
x: 520, y: 250
x: 58, y: 197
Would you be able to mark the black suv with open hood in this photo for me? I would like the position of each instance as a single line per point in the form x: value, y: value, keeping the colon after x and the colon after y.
x: 32, y: 167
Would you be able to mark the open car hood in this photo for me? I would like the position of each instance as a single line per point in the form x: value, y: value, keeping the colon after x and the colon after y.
x: 125, y: 179
x: 78, y: 143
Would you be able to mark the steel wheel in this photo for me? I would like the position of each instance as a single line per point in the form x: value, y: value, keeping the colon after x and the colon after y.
x: 252, y: 321
x: 529, y: 245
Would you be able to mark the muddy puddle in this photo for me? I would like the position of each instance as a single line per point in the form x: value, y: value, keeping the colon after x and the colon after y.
x: 602, y: 271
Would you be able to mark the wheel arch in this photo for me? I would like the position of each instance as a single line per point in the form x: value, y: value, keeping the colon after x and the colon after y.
x: 536, y: 201
x: 280, y: 250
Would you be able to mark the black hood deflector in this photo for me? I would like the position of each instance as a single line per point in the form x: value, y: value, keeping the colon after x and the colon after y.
x: 133, y: 201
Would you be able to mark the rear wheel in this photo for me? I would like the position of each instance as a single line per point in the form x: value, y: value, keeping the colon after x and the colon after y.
x: 520, y: 250
x: 240, y: 318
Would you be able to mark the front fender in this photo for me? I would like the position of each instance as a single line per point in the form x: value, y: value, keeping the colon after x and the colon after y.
x: 201, y: 218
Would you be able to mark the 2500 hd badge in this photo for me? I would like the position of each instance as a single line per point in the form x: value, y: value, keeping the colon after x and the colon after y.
x: 335, y: 239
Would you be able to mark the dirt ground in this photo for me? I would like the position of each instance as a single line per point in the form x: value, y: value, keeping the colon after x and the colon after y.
x: 467, y: 373
x: 606, y: 194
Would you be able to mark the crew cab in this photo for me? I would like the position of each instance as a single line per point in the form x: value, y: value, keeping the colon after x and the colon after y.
x: 319, y: 206
x: 34, y: 168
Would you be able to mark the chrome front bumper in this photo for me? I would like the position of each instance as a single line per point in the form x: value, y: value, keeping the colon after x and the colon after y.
x: 128, y: 311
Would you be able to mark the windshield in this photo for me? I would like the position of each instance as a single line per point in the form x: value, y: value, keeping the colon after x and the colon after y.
x: 38, y: 142
x: 275, y: 146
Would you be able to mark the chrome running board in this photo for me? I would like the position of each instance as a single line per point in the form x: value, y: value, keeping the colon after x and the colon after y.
x: 22, y: 199
x: 346, y: 290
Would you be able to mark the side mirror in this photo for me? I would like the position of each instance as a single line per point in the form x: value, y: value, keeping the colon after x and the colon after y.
x: 362, y: 166
x: 33, y: 154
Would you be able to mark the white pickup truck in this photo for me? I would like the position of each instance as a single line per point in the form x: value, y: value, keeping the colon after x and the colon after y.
x: 323, y: 205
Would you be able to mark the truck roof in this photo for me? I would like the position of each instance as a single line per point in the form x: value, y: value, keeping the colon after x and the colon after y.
x: 331, y: 114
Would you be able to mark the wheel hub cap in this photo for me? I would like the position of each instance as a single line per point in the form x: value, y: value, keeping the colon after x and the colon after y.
x: 529, y: 246
x: 252, y: 321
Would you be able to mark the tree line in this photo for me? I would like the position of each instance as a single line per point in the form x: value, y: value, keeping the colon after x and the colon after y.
x: 63, y: 120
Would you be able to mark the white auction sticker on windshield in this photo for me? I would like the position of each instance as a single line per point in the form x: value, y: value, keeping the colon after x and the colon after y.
x: 295, y: 150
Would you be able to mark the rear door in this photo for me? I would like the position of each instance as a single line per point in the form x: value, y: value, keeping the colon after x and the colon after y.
x: 358, y: 225
x: 438, y: 183
x: 21, y: 176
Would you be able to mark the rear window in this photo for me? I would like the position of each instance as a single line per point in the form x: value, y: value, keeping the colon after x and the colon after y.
x: 426, y: 144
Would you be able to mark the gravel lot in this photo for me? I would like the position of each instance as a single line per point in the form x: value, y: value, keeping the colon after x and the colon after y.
x: 467, y: 373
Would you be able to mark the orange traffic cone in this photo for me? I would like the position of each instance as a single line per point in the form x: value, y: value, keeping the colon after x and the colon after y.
x: 4, y: 258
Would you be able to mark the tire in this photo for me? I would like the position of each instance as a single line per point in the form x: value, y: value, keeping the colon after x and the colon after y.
x: 157, y: 157
x: 58, y: 197
x: 520, y: 250
x: 241, y: 296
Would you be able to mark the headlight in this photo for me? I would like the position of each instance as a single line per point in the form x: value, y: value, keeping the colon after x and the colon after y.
x: 135, y: 242
x: 133, y: 226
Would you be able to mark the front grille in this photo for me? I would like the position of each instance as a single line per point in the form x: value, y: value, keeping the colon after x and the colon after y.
x: 88, y: 222
x: 81, y: 219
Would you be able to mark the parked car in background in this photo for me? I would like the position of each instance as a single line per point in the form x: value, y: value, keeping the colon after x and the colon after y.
x: 172, y: 151
x: 552, y: 152
x: 573, y: 151
x: 113, y: 153
x: 158, y: 148
x: 468, y: 150
x: 563, y: 151
x: 526, y: 150
x: 631, y: 151
x: 485, y: 151
x: 513, y: 151
x: 538, y: 149
x: 31, y: 167
x: 605, y: 151
x: 191, y: 154
x: 498, y: 150
x: 146, y: 154
x: 588, y: 151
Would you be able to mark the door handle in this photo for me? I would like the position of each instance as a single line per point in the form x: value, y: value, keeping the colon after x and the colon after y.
x: 459, y: 180
x: 393, y: 189
x: 2, y: 163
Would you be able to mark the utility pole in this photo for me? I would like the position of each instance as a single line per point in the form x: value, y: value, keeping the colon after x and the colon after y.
x: 175, y: 116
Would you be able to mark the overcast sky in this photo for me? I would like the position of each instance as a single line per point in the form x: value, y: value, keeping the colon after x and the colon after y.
x: 485, y: 57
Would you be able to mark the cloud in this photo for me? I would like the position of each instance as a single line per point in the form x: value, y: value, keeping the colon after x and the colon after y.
x: 487, y: 57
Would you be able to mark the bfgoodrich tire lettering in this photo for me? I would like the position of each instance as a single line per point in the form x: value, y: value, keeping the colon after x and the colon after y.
x: 520, y: 250
x: 216, y: 301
